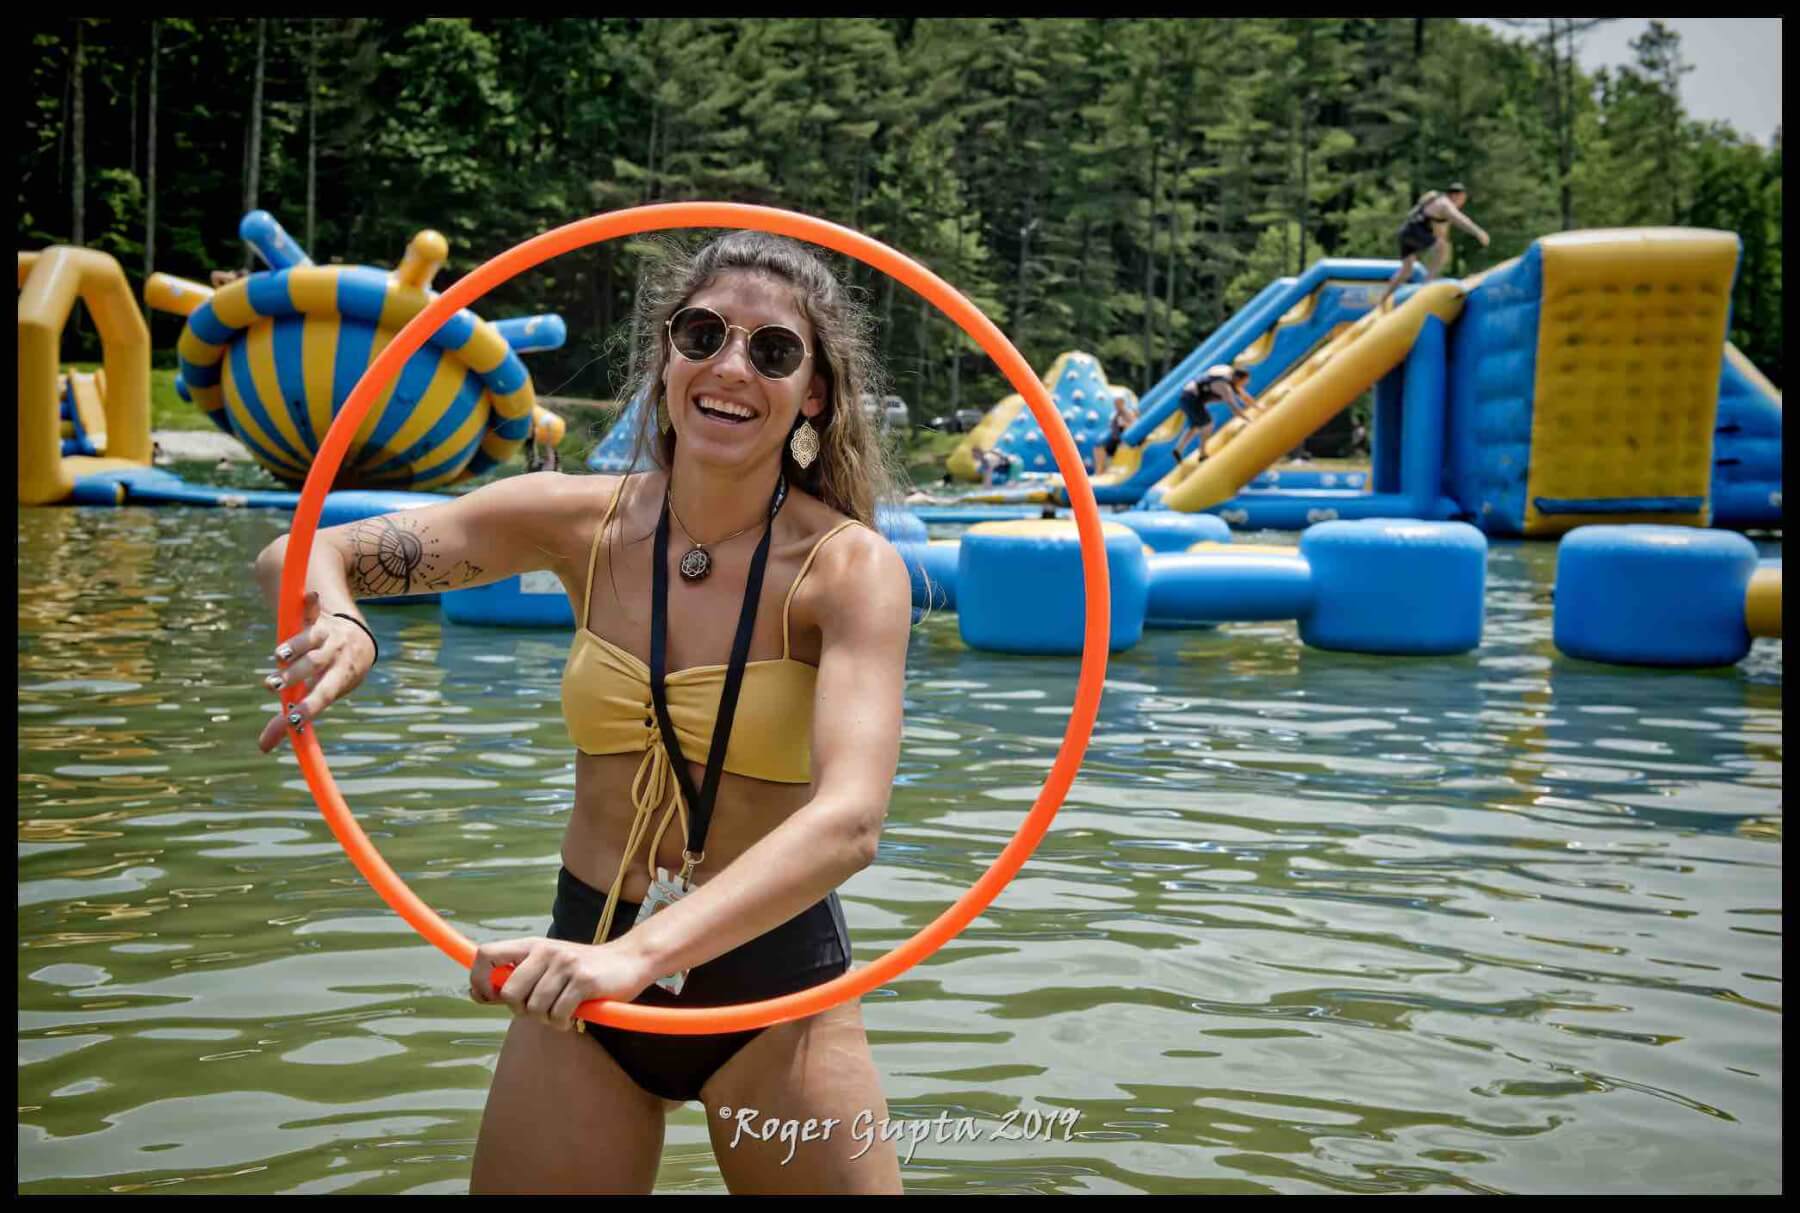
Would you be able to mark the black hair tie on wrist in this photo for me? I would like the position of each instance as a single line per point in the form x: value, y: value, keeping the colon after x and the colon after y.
x: 365, y: 627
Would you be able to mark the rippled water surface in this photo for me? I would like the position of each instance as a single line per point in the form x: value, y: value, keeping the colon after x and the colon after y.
x: 1308, y: 921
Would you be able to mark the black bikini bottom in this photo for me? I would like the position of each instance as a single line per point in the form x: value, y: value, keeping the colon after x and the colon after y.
x: 808, y: 950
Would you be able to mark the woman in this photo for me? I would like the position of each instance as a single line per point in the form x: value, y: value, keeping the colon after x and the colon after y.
x: 760, y: 511
x: 1122, y: 416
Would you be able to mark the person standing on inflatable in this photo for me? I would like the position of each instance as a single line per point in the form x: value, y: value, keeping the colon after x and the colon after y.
x: 1427, y: 226
x: 743, y: 683
x: 1224, y: 384
x: 1123, y: 415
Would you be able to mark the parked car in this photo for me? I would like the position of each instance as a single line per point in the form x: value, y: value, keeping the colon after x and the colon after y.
x: 887, y: 412
x: 959, y: 422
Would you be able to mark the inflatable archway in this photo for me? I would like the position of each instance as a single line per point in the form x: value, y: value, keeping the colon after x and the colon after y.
x: 50, y: 282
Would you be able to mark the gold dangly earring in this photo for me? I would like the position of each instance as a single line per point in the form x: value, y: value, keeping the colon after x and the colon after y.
x: 662, y: 414
x: 804, y: 445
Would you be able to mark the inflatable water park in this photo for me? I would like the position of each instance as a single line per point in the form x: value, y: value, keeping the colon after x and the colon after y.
x: 1584, y: 389
x: 270, y: 359
x: 1588, y: 380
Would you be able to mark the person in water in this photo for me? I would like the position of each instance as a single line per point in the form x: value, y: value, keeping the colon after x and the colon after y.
x: 1427, y: 226
x: 744, y: 570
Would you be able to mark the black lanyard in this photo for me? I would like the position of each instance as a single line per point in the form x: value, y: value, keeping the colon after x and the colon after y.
x: 700, y: 804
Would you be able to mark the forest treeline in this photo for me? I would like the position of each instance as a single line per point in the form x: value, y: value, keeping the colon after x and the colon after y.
x: 1117, y: 186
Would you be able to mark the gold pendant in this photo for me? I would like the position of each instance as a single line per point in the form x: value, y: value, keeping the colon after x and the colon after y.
x: 696, y: 564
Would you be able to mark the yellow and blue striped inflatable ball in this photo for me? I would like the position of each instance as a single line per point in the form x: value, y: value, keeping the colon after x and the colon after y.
x: 272, y: 358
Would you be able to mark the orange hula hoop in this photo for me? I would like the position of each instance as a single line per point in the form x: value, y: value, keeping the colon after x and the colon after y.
x: 663, y: 217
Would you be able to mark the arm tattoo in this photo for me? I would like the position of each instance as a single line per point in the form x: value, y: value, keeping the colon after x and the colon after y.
x: 390, y: 557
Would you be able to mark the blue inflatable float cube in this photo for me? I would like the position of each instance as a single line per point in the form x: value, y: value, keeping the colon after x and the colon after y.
x: 932, y: 568
x: 1395, y: 586
x: 1019, y: 586
x: 1174, y: 530
x: 1653, y: 595
x: 898, y: 525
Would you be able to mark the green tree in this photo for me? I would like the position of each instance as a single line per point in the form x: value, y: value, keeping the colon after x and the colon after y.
x: 1112, y: 184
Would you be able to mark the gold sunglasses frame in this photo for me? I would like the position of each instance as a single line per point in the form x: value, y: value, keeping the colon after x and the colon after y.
x: 749, y: 335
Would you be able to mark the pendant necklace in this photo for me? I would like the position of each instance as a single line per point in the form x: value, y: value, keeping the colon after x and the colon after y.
x: 697, y: 562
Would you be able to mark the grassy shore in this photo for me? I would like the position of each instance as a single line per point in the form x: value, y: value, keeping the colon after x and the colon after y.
x: 587, y: 422
x: 168, y: 411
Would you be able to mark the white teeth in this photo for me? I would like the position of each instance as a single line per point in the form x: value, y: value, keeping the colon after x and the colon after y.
x: 724, y: 406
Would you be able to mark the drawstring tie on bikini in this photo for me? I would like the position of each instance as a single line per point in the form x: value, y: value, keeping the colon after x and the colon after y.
x: 652, y: 788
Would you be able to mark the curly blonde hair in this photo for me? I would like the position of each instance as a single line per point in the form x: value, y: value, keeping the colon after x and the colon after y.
x: 854, y: 471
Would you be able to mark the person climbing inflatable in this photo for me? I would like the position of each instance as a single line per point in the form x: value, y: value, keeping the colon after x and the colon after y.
x: 1427, y: 226
x: 1223, y: 384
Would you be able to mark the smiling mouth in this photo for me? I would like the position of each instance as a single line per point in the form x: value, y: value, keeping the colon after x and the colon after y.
x: 723, y: 410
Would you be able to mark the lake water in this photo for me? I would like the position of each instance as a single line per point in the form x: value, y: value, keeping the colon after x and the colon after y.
x: 1307, y: 922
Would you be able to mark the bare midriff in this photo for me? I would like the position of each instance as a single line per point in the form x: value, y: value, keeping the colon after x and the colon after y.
x: 593, y: 845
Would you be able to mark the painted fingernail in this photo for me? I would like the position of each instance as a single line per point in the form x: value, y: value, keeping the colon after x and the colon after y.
x: 273, y: 682
x: 296, y: 721
x: 285, y: 653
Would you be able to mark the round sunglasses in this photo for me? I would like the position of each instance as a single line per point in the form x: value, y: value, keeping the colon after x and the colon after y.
x: 699, y: 334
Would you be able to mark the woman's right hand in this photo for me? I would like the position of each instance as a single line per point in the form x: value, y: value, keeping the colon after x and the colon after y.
x: 330, y: 656
x: 548, y: 979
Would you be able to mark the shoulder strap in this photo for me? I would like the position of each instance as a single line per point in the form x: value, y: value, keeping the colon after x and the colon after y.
x: 587, y: 590
x: 700, y: 802
x: 788, y: 601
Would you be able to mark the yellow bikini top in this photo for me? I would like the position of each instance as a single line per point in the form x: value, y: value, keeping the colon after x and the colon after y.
x: 607, y: 708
